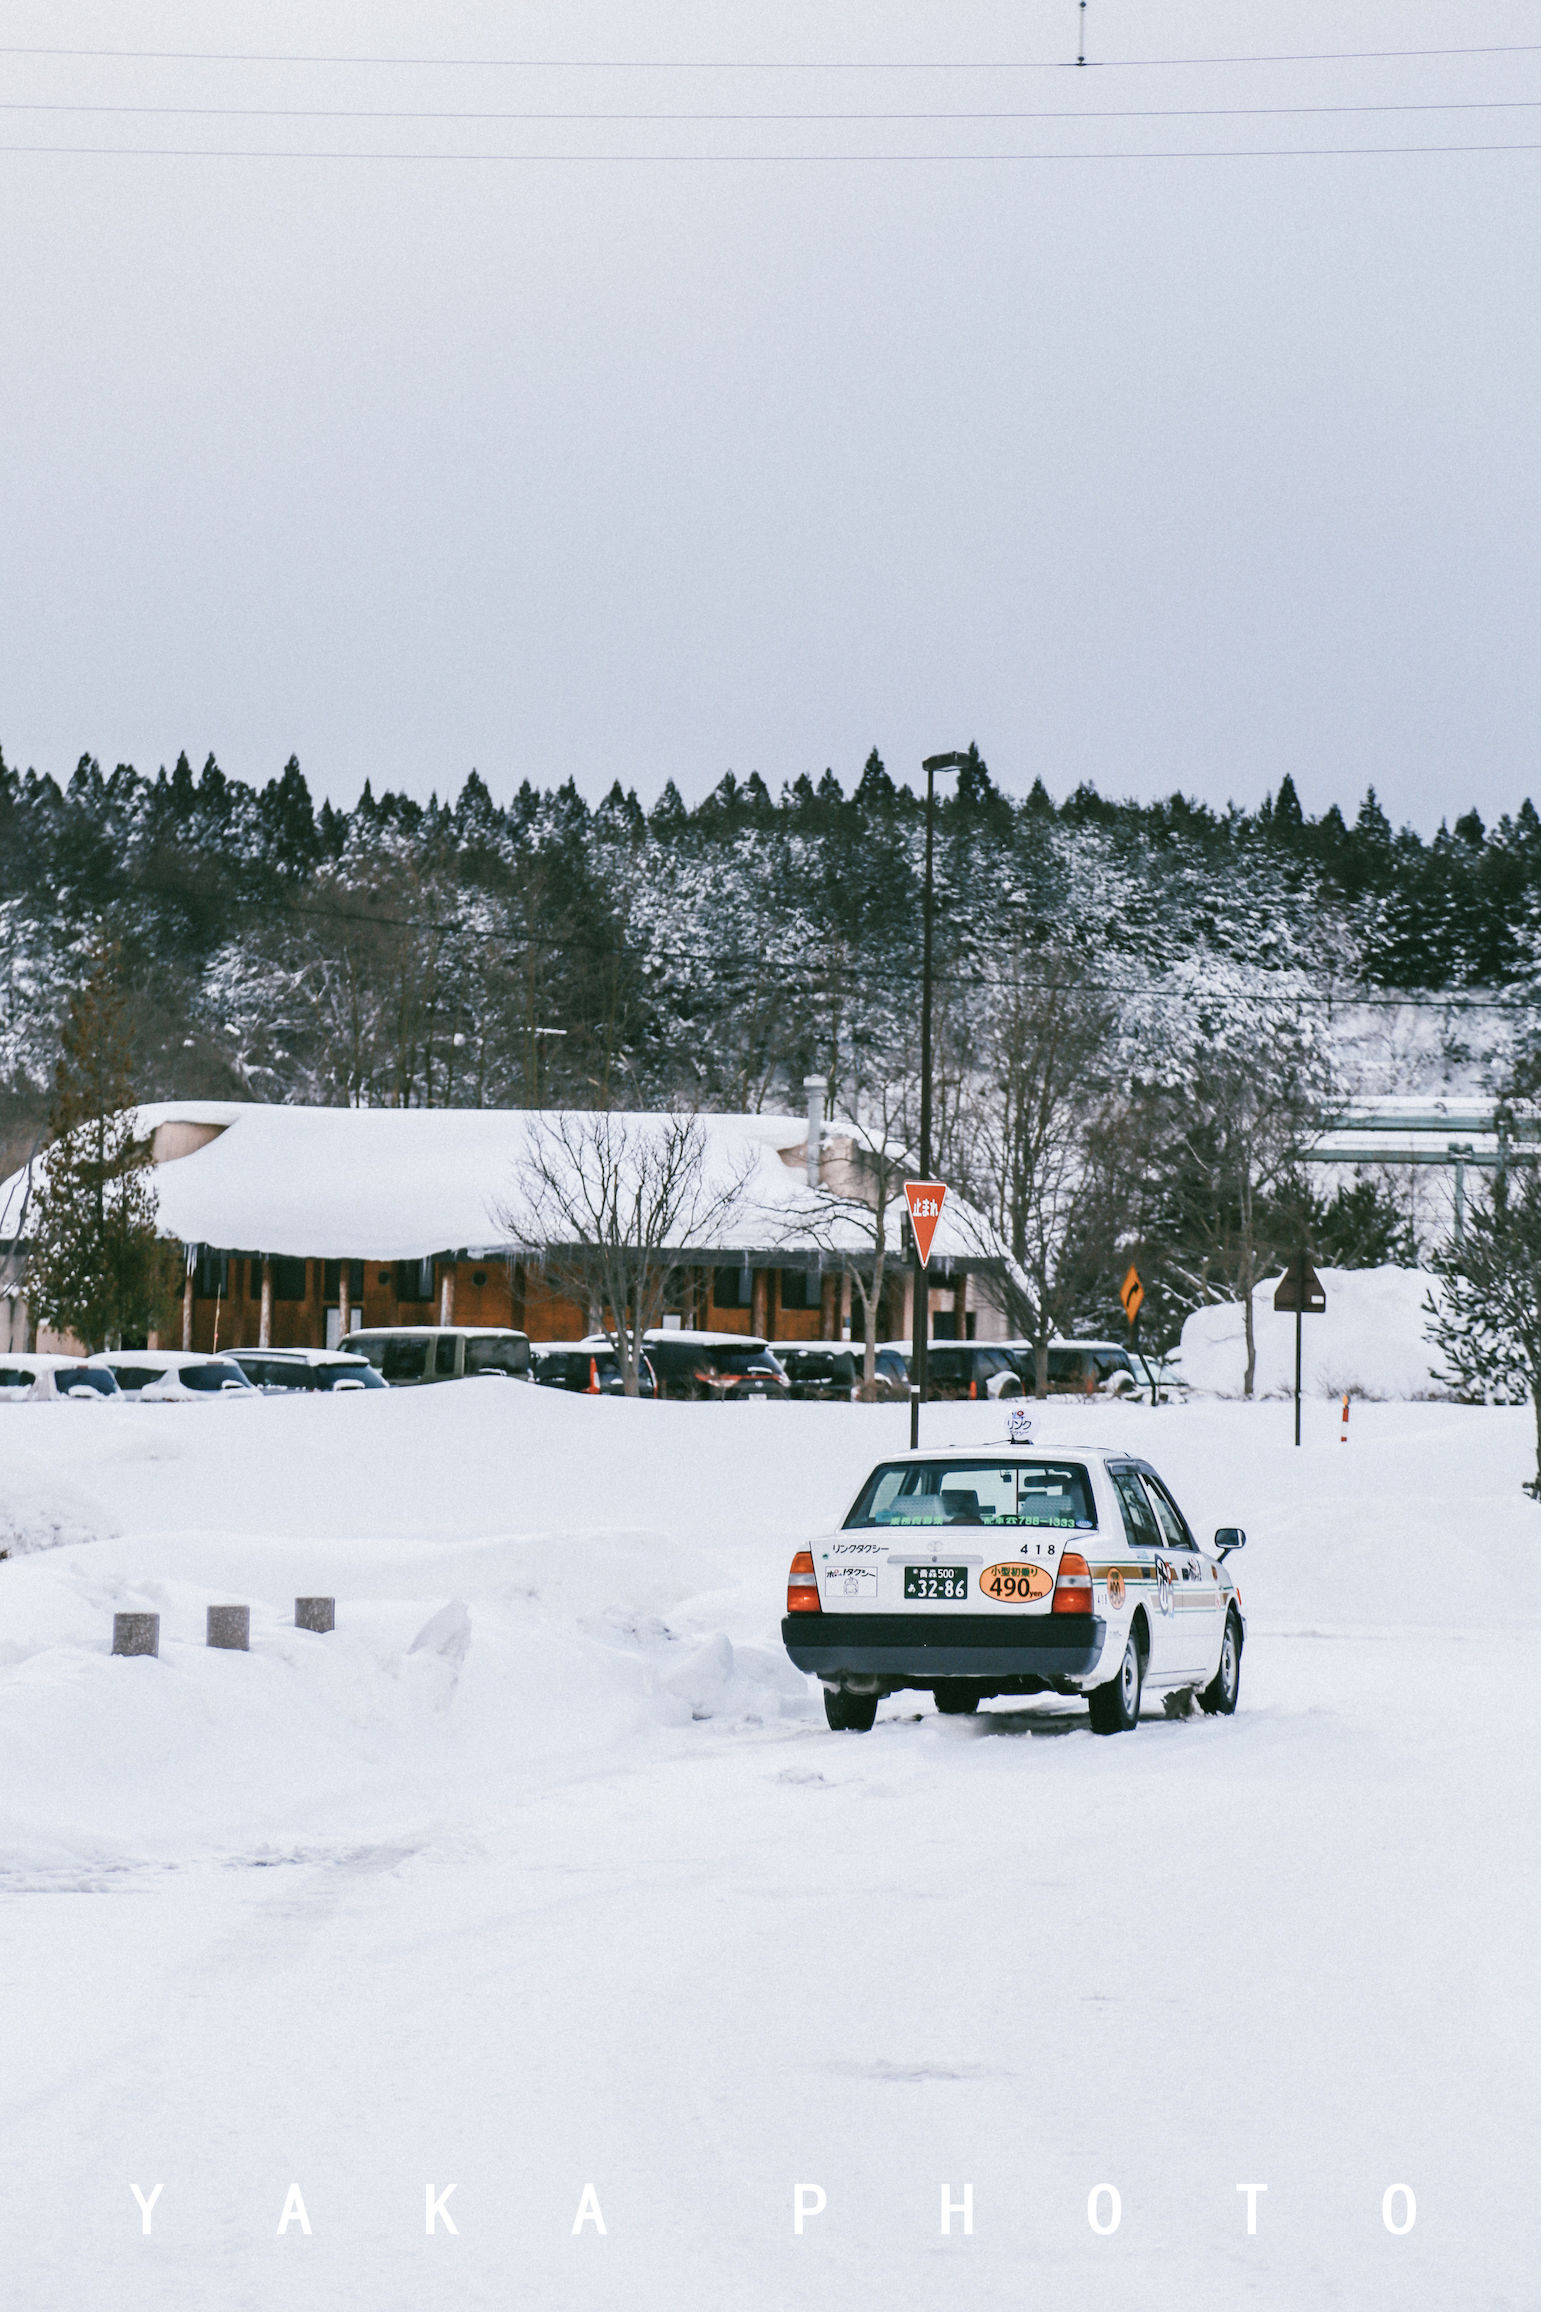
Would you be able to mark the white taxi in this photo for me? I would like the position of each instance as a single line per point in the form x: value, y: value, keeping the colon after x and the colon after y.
x: 1016, y: 1569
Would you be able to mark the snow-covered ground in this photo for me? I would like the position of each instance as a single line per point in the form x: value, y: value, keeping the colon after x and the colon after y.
x: 544, y: 1872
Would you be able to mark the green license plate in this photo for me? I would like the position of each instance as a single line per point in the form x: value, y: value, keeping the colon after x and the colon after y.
x: 936, y: 1581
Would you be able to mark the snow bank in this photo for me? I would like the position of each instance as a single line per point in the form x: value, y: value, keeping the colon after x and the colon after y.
x: 1371, y: 1340
x: 41, y: 1511
x: 524, y: 1593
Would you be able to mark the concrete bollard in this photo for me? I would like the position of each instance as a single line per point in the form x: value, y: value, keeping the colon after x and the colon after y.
x: 315, y: 1614
x: 230, y: 1627
x: 136, y: 1633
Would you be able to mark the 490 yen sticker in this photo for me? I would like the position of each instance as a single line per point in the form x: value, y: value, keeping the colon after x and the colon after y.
x: 1016, y: 1584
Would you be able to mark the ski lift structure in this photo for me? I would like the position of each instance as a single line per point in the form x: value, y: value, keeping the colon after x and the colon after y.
x: 1461, y: 1134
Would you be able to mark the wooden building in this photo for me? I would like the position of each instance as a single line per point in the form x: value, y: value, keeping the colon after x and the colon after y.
x: 302, y: 1222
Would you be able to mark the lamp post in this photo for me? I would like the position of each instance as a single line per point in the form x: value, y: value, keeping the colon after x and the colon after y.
x: 922, y: 1298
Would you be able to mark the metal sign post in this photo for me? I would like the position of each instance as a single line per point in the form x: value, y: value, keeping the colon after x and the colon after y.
x: 1300, y: 1289
x: 924, y: 1199
x: 1132, y: 1294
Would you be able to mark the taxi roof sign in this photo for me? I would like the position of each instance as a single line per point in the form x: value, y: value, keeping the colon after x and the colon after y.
x: 1300, y: 1289
x: 925, y: 1199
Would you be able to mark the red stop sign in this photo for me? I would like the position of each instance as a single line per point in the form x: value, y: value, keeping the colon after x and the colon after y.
x: 925, y: 1199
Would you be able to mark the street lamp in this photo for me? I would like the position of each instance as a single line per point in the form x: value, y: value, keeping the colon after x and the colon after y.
x: 922, y: 1297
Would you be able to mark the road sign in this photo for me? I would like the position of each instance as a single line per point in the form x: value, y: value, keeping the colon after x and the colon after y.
x: 1132, y: 1293
x: 1300, y: 1289
x: 925, y: 1199
x: 1299, y: 1294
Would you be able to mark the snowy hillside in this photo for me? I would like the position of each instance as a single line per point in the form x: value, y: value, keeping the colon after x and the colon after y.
x: 543, y: 1871
x: 1370, y: 1341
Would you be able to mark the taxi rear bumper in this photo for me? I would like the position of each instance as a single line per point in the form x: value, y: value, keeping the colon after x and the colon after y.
x: 1012, y: 1653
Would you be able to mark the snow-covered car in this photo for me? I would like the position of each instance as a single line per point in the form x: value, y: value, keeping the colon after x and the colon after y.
x: 820, y: 1370
x: 960, y: 1369
x: 173, y: 1376
x: 729, y: 1366
x: 410, y: 1356
x: 47, y: 1378
x: 282, y: 1372
x: 1016, y: 1569
x: 1078, y: 1368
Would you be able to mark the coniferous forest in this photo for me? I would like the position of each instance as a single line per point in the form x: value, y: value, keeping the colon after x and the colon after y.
x: 1123, y: 991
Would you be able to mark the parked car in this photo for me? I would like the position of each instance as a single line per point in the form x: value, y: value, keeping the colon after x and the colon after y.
x: 1078, y: 1368
x: 963, y: 1369
x: 590, y: 1368
x: 829, y: 1370
x: 46, y: 1378
x: 280, y: 1372
x: 1064, y: 1573
x: 721, y: 1365
x: 891, y: 1372
x: 173, y: 1376
x: 408, y: 1356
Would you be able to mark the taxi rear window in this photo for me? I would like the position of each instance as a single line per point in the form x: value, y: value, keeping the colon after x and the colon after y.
x: 970, y: 1491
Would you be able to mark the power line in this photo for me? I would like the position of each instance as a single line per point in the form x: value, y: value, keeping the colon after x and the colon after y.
x: 1158, y: 112
x: 767, y: 159
x: 761, y: 64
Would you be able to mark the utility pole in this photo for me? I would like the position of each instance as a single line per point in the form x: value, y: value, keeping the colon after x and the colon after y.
x: 1460, y: 1150
x: 921, y: 1334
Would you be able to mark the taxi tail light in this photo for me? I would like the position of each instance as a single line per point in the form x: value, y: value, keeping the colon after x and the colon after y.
x: 1073, y: 1585
x: 803, y: 1585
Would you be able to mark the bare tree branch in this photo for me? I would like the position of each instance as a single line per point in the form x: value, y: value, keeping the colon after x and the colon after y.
x: 613, y: 1203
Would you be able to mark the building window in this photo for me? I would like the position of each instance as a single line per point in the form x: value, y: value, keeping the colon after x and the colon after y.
x: 799, y: 1288
x: 332, y: 1287
x: 733, y: 1288
x: 288, y: 1280
x: 414, y: 1279
x: 211, y: 1278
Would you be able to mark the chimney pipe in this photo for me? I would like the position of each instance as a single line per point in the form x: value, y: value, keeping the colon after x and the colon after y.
x: 815, y: 1087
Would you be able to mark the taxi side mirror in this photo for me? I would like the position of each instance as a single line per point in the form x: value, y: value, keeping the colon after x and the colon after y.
x: 1227, y: 1538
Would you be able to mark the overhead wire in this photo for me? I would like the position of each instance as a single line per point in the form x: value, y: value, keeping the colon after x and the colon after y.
x: 1075, y: 113
x: 762, y: 64
x: 770, y: 159
x: 719, y: 117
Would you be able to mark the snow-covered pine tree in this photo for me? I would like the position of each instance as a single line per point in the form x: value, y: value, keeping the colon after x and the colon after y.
x: 1487, y: 1322
x: 97, y: 1270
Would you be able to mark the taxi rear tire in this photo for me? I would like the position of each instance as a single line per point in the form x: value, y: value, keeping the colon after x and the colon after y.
x: 1220, y: 1695
x: 849, y: 1713
x: 955, y: 1701
x: 1115, y: 1707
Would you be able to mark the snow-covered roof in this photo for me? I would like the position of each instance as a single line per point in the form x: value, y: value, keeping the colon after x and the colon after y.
x: 404, y: 1183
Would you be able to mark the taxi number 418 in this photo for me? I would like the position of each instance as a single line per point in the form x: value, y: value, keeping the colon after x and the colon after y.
x: 936, y: 1581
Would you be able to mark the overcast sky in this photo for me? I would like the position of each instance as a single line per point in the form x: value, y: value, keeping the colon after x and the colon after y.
x: 1160, y: 472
